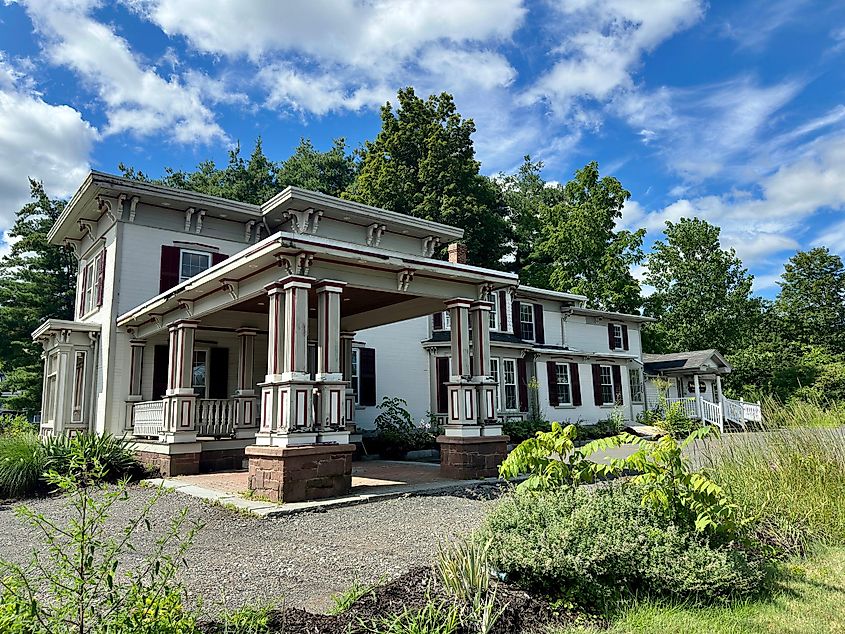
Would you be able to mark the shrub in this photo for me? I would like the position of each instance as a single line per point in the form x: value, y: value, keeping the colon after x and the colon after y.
x: 463, y: 569
x: 520, y: 430
x: 22, y: 461
x: 79, y: 453
x: 397, y: 432
x: 674, y: 420
x: 610, y: 426
x: 593, y: 546
x: 12, y: 425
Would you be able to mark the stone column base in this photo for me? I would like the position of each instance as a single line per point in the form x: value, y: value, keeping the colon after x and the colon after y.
x: 170, y: 460
x: 472, y: 458
x: 298, y: 473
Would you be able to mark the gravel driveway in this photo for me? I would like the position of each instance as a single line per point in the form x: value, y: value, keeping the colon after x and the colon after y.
x: 300, y: 559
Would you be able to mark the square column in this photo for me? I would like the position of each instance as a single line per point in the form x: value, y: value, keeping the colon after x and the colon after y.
x: 245, y: 391
x: 180, y: 399
x: 136, y: 362
x: 331, y: 387
x: 463, y: 400
x: 346, y: 339
x: 479, y: 312
x: 286, y: 395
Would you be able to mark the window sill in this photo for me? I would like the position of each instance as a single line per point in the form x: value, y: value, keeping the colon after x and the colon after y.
x: 565, y: 406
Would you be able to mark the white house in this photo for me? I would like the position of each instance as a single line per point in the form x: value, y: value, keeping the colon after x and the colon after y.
x: 209, y: 330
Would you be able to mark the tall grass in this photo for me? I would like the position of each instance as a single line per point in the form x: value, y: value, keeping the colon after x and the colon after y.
x: 802, y: 413
x: 22, y: 461
x: 790, y: 476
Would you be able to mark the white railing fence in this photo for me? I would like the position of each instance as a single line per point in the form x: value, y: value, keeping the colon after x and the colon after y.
x: 216, y: 417
x: 712, y: 413
x: 743, y: 412
x: 688, y: 403
x: 148, y: 417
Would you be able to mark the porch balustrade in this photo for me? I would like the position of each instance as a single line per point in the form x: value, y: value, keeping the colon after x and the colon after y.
x: 216, y: 418
x: 688, y: 403
x: 711, y: 413
x: 148, y: 417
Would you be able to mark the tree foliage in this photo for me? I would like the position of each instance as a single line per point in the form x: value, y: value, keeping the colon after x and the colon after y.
x: 579, y: 248
x: 422, y: 163
x: 37, y: 282
x: 702, y: 294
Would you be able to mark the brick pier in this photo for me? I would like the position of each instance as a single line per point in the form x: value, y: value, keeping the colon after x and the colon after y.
x: 472, y: 458
x: 295, y: 474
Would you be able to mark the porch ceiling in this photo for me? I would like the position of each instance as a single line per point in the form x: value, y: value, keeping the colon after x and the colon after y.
x: 383, y: 286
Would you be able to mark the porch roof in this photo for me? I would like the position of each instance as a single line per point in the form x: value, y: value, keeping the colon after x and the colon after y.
x: 602, y: 314
x: 695, y: 361
x: 411, y: 285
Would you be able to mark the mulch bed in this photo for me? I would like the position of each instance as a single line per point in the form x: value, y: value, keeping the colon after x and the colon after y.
x: 523, y: 612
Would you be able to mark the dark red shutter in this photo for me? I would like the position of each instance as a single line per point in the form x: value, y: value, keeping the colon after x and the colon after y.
x: 575, y: 382
x: 522, y: 383
x: 438, y: 321
x: 503, y: 311
x: 84, y: 284
x: 539, y: 331
x: 368, y: 376
x: 169, y: 276
x: 101, y: 276
x: 218, y: 373
x: 217, y: 258
x: 517, y: 326
x: 160, y: 369
x: 551, y: 373
x: 611, y: 340
x: 442, y: 371
x: 617, y: 384
x: 597, y: 385
x: 625, y: 337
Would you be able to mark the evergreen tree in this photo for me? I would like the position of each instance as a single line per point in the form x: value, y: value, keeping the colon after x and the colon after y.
x: 702, y: 294
x: 37, y: 282
x: 579, y: 249
x: 422, y: 163
x: 331, y: 172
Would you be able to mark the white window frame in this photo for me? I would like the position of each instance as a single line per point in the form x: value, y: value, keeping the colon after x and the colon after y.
x: 51, y: 387
x: 79, y: 391
x: 530, y: 321
x: 609, y: 384
x: 635, y: 379
x: 509, y: 367
x: 567, y: 383
x: 183, y: 253
x: 447, y: 320
x: 493, y: 298
x: 497, y: 377
x: 355, y: 375
x: 91, y: 290
x: 618, y: 339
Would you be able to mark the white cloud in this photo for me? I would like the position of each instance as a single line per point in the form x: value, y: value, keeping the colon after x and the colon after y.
x: 602, y: 43
x: 51, y: 143
x: 137, y: 99
x: 756, y: 22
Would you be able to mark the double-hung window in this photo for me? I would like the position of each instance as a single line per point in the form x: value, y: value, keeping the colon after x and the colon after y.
x: 494, y: 310
x: 199, y: 373
x: 494, y: 373
x: 192, y: 263
x: 90, y: 277
x: 607, y: 391
x: 636, y: 380
x: 509, y: 384
x: 526, y: 321
x: 618, y: 338
x: 353, y: 378
x: 564, y: 384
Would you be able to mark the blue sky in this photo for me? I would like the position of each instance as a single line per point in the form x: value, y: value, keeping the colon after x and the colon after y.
x: 730, y: 111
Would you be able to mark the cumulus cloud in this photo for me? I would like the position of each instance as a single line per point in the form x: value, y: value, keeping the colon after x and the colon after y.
x: 47, y: 142
x: 137, y: 99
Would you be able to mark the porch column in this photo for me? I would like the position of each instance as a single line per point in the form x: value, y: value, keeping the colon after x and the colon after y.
x: 486, y: 389
x: 721, y: 401
x: 346, y: 339
x: 697, y: 397
x: 136, y: 363
x: 463, y: 410
x: 331, y: 388
x: 286, y: 394
x: 180, y: 399
x: 245, y: 392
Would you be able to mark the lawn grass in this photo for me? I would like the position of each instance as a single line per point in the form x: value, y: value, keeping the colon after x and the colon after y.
x: 807, y: 599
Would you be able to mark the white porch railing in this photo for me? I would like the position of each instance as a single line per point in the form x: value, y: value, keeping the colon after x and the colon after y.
x: 148, y: 418
x: 688, y: 403
x: 743, y: 412
x: 711, y: 413
x: 216, y: 417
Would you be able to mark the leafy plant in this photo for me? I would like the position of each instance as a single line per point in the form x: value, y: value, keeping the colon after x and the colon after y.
x: 463, y: 569
x: 397, y: 432
x: 246, y: 620
x: 80, y: 453
x: 343, y: 601
x: 76, y: 583
x: 674, y: 420
x: 522, y: 429
x: 435, y: 617
x: 22, y: 462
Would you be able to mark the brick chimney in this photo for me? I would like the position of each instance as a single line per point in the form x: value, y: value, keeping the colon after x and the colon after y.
x: 458, y: 253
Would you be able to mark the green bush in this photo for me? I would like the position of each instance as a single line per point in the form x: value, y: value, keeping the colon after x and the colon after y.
x: 610, y: 426
x: 22, y: 463
x: 12, y: 425
x: 82, y: 453
x: 397, y: 433
x: 593, y: 546
x: 674, y: 420
x: 519, y: 429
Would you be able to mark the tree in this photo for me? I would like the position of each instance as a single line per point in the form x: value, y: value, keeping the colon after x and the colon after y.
x: 526, y: 196
x: 702, y: 294
x: 331, y: 172
x: 37, y: 282
x: 422, y: 163
x: 579, y: 249
x: 811, y: 302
